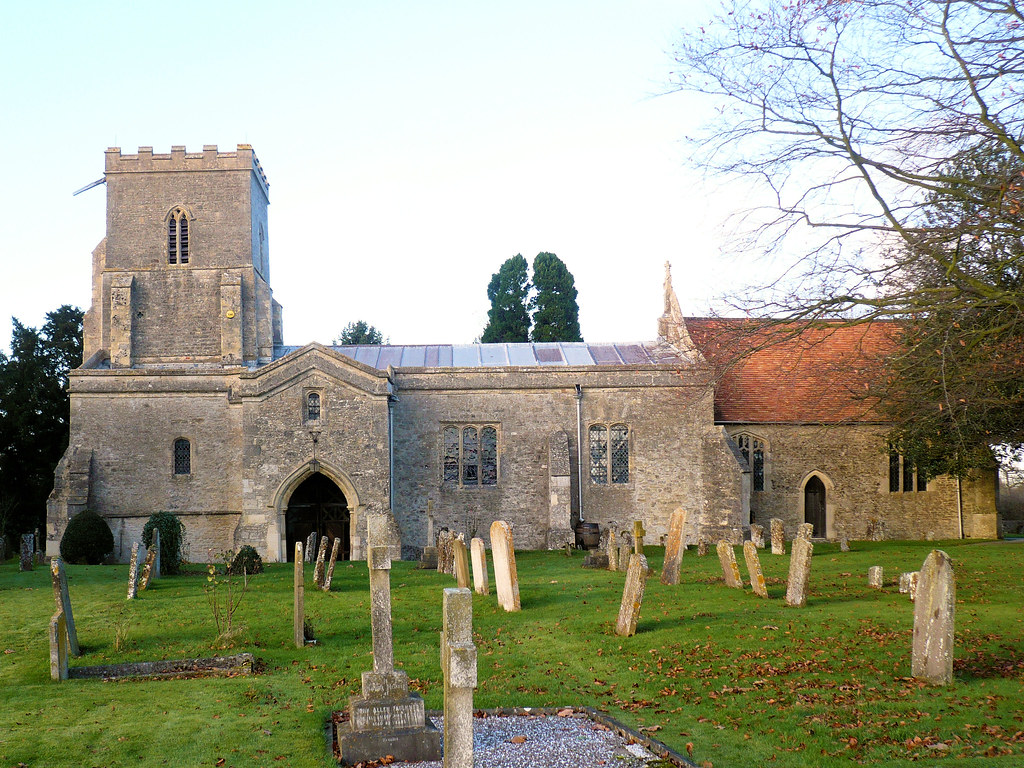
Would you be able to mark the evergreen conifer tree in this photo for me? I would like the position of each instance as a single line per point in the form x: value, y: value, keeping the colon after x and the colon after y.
x: 508, y: 319
x: 557, y: 315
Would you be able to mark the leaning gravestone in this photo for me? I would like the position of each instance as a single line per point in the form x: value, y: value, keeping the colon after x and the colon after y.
x: 133, y: 572
x: 675, y: 545
x: 613, y: 552
x: 757, y: 535
x: 28, y: 556
x: 778, y: 536
x: 876, y: 577
x: 702, y: 545
x: 799, y: 572
x: 386, y: 720
x: 62, y: 598
x: 731, y: 571
x: 311, y: 546
x: 147, y: 570
x: 638, y: 537
x: 330, y: 566
x: 754, y: 569
x: 299, y: 612
x: 155, y: 571
x: 479, y: 552
x: 461, y: 559
x: 934, y: 610
x: 805, y: 531
x: 58, y: 647
x: 506, y: 580
x: 321, y: 557
x: 625, y: 550
x: 458, y: 666
x: 632, y: 596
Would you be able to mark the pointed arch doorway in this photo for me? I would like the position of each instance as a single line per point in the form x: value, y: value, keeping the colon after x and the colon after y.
x: 319, y: 505
x: 815, y: 507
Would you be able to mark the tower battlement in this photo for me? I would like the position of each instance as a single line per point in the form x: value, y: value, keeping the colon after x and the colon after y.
x: 210, y: 159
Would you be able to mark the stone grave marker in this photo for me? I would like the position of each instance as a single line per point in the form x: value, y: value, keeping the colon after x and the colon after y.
x: 155, y: 572
x: 905, y: 583
x: 458, y: 666
x: 799, y: 572
x: 805, y: 531
x: 311, y: 546
x: 28, y: 554
x: 675, y: 546
x: 754, y: 569
x: 844, y: 540
x: 757, y: 535
x: 330, y: 565
x: 58, y: 647
x: 914, y: 578
x: 638, y: 537
x: 613, y: 552
x: 778, y: 533
x: 446, y: 552
x: 147, y: 570
x: 934, y: 613
x: 429, y: 557
x: 133, y: 572
x: 625, y: 550
x: 506, y: 579
x: 461, y: 559
x: 321, y: 557
x: 62, y: 598
x: 876, y: 577
x: 386, y: 719
x: 702, y: 545
x: 480, y: 581
x: 632, y: 596
x: 299, y: 612
x: 731, y: 571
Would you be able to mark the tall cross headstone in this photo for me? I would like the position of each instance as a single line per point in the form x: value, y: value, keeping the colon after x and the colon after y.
x: 330, y: 567
x: 638, y: 537
x: 299, y: 612
x: 458, y: 666
x: 479, y: 554
x: 62, y: 598
x: 506, y: 579
x: 386, y: 719
x: 675, y: 545
x: 799, y: 572
x: 934, y: 612
x: 632, y: 596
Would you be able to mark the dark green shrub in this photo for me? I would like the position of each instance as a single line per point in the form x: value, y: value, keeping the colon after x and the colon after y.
x: 247, y: 559
x: 87, y: 539
x: 172, y: 539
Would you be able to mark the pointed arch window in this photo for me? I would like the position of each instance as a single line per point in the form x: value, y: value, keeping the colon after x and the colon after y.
x: 177, y: 237
x: 753, y: 450
x: 182, y: 457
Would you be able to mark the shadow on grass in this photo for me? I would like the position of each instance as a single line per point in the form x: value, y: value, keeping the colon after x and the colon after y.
x: 1008, y: 663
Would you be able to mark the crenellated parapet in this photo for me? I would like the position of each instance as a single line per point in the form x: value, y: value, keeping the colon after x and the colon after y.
x: 210, y: 159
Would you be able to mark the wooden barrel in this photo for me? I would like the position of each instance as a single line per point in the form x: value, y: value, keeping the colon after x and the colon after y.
x: 588, y: 535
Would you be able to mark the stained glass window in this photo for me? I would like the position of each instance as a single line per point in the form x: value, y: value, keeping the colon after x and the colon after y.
x: 470, y: 455
x: 182, y: 457
x: 753, y: 451
x: 599, y: 454
x: 620, y: 453
x: 488, y: 456
x: 451, y: 455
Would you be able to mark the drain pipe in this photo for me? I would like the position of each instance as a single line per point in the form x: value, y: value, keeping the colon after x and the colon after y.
x: 579, y: 448
x: 392, y: 399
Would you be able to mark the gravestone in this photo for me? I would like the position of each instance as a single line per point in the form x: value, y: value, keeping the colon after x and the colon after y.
x: 805, y: 531
x: 58, y: 647
x: 28, y: 555
x: 133, y: 572
x: 799, y: 572
x: 480, y: 581
x: 386, y: 719
x: 905, y: 583
x: 914, y: 578
x: 625, y: 550
x: 321, y: 557
x: 754, y: 569
x: 632, y: 596
x: 155, y: 571
x: 311, y: 546
x: 844, y: 540
x: 147, y: 569
x: 446, y: 552
x: 299, y: 611
x: 429, y: 557
x: 458, y: 667
x: 934, y: 612
x: 702, y: 546
x: 638, y: 537
x: 506, y: 579
x: 731, y: 571
x: 675, y: 546
x: 330, y: 566
x: 876, y: 577
x: 757, y: 535
x: 778, y: 533
x: 62, y: 598
x: 461, y: 560
x: 613, y: 552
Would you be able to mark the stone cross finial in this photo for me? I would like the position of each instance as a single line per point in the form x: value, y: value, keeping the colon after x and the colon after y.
x: 638, y: 537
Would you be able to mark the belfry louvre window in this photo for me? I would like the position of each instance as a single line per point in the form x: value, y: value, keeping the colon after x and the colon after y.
x: 609, y: 454
x: 753, y: 451
x: 177, y: 237
x: 470, y: 455
x: 182, y: 457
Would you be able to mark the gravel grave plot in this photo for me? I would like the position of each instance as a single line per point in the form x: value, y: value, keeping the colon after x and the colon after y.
x: 546, y: 741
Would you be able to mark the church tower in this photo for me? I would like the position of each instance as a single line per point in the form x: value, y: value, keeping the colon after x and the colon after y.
x: 182, y: 277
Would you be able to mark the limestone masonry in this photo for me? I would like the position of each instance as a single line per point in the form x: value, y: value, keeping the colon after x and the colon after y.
x: 189, y: 401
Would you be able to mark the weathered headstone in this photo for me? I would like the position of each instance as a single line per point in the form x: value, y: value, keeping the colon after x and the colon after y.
x: 28, y: 554
x: 155, y: 571
x: 625, y: 550
x: 805, y: 531
x: 330, y: 566
x: 62, y: 598
x: 799, y: 572
x: 632, y: 596
x: 446, y: 552
x: 480, y: 581
x: 299, y: 612
x: 133, y: 572
x: 876, y: 577
x: 934, y: 613
x: 461, y: 560
x: 429, y: 557
x: 506, y: 579
x: 147, y: 570
x: 675, y: 546
x: 638, y: 537
x: 613, y: 552
x: 321, y: 558
x: 58, y: 634
x: 311, y: 546
x: 386, y: 719
x: 905, y: 583
x: 844, y: 539
x: 754, y: 569
x: 702, y: 546
x: 778, y: 533
x: 731, y: 571
x: 458, y: 666
x: 757, y: 535
x: 914, y: 578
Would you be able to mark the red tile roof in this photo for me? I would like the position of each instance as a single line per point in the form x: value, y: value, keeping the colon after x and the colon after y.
x: 794, y: 372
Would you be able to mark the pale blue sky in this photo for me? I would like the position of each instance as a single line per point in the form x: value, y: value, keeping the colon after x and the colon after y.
x: 410, y: 147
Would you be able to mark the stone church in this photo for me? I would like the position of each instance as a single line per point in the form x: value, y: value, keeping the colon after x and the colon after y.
x: 188, y: 400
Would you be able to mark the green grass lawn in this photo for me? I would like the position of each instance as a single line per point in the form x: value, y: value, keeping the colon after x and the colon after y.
x: 747, y: 682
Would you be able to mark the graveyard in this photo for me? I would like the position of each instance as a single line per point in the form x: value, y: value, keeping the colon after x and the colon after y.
x: 721, y: 674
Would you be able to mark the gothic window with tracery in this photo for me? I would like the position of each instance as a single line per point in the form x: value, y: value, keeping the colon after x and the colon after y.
x: 753, y: 450
x: 177, y: 237
x: 609, y: 453
x: 182, y: 457
x: 470, y: 455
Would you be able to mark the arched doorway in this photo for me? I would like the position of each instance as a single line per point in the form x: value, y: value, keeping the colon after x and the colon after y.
x: 317, y: 504
x: 814, y: 505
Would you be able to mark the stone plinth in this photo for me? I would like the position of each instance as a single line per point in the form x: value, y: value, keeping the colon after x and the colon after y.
x: 675, y: 546
x: 506, y: 579
x: 754, y: 569
x: 799, y: 572
x: 632, y: 596
x: 479, y: 553
x: 934, y: 613
x: 730, y: 570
